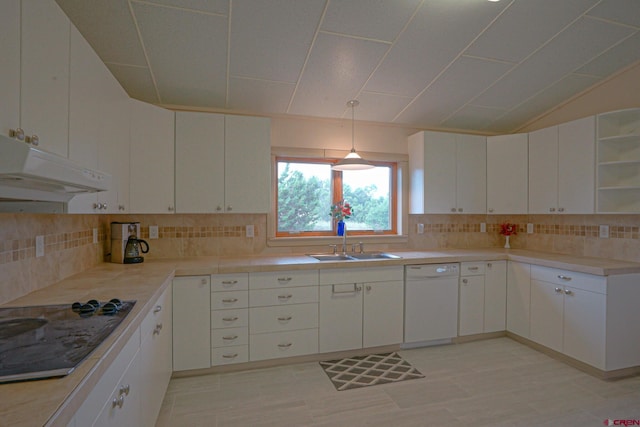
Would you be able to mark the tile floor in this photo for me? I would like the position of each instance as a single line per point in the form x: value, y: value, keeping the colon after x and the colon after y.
x: 496, y: 382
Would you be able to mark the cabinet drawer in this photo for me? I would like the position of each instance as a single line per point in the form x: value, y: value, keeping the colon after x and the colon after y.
x: 283, y: 344
x: 280, y: 279
x: 284, y: 318
x: 229, y: 282
x: 229, y: 337
x: 229, y: 318
x: 231, y: 299
x: 361, y: 275
x: 159, y: 316
x: 266, y: 297
x: 472, y: 268
x: 227, y: 355
x: 587, y: 282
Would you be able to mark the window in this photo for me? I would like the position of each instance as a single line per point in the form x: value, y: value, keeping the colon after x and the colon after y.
x: 306, y: 189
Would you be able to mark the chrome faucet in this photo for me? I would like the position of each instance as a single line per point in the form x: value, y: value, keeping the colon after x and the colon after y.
x: 344, y: 240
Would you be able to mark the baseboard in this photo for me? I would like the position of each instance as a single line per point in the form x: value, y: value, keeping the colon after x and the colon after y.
x: 478, y: 337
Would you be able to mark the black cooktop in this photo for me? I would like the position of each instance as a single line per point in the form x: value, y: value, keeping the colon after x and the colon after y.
x: 48, y: 341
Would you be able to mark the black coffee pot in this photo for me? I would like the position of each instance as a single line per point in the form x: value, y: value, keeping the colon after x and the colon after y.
x: 133, y: 249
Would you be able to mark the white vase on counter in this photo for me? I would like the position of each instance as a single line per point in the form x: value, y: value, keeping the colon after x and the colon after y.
x: 506, y: 243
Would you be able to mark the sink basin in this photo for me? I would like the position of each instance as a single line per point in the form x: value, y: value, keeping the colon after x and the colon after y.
x: 332, y: 257
x: 13, y: 327
x: 374, y: 255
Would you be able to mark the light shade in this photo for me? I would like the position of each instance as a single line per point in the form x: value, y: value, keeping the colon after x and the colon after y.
x: 352, y: 161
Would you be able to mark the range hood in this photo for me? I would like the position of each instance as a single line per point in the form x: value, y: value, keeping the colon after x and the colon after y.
x: 28, y: 173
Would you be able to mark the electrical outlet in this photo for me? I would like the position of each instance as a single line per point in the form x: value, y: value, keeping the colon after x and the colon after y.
x: 95, y: 235
x: 483, y: 227
x: 420, y: 228
x: 529, y: 228
x: 39, y: 246
x: 604, y: 231
x: 153, y: 232
x: 250, y: 230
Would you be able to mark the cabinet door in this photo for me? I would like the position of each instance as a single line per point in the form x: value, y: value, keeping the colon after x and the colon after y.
x: 471, y: 174
x: 543, y: 171
x: 507, y: 176
x: 247, y: 164
x: 340, y: 320
x: 44, y: 84
x: 199, y: 162
x: 439, y: 172
x: 518, y: 298
x: 584, y: 326
x: 9, y: 65
x: 547, y: 314
x: 191, y: 323
x: 471, y: 306
x: 128, y: 411
x: 152, y: 159
x: 576, y: 167
x: 383, y: 314
x: 495, y: 296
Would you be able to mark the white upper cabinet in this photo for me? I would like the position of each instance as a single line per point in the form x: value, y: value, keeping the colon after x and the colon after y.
x: 561, y: 168
x: 9, y: 65
x: 507, y: 176
x: 223, y: 163
x: 618, y: 171
x: 44, y: 84
x: 447, y: 173
x: 151, y: 159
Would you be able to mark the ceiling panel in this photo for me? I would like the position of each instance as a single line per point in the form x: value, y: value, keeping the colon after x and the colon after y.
x: 211, y: 6
x: 260, y: 96
x: 614, y: 59
x: 525, y: 26
x: 337, y: 69
x: 471, y: 117
x: 193, y: 75
x: 375, y: 19
x: 624, y: 11
x: 567, y: 52
x: 423, y: 50
x: 108, y: 27
x: 465, y: 79
x: 270, y: 40
x: 138, y: 81
x: 378, y: 107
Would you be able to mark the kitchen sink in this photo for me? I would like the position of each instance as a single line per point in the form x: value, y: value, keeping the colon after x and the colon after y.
x: 355, y: 256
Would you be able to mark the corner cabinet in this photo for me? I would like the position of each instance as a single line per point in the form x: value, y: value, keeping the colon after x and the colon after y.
x: 447, y: 173
x: 618, y: 154
x: 222, y: 163
x: 507, y: 176
x: 482, y: 297
x: 561, y: 168
x: 191, y: 322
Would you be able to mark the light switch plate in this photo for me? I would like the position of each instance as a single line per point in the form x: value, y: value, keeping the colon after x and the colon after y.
x: 250, y: 230
x: 153, y: 232
x: 39, y: 246
x: 529, y: 228
x: 420, y: 228
x: 483, y: 227
x: 604, y: 231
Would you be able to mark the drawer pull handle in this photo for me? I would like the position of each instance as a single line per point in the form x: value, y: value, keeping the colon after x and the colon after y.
x: 568, y: 292
x: 157, y: 329
x: 465, y: 281
x: 117, y: 402
x: 558, y: 290
x: 284, y: 297
x: 229, y: 282
x: 355, y: 289
x: 230, y: 319
x: 125, y: 389
x: 563, y: 277
x: 230, y: 337
x: 287, y: 345
x: 472, y: 268
x: 230, y: 300
x: 157, y: 309
x: 285, y: 318
x: 284, y: 279
x: 230, y: 356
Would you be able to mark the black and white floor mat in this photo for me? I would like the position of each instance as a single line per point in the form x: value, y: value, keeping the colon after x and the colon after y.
x: 363, y: 371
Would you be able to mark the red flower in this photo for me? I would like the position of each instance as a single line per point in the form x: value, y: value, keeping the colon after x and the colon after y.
x: 508, y: 229
x: 341, y: 210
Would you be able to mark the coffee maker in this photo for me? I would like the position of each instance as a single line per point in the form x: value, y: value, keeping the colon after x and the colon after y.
x: 126, y: 248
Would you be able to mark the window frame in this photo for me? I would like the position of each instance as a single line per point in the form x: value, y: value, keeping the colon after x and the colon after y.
x: 336, y: 195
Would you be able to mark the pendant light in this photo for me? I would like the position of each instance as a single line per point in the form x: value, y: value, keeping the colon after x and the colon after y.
x: 352, y: 161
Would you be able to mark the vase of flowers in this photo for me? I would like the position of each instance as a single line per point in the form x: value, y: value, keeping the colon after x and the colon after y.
x: 339, y: 212
x: 508, y: 230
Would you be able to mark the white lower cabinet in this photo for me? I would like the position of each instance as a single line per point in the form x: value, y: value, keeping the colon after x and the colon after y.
x: 229, y: 318
x: 361, y: 308
x: 191, y: 322
x: 283, y: 314
x: 518, y: 297
x: 483, y: 297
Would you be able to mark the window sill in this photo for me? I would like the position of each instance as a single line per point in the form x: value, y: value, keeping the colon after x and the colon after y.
x: 329, y: 240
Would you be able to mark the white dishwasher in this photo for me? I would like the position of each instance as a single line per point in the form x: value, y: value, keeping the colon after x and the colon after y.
x: 431, y: 304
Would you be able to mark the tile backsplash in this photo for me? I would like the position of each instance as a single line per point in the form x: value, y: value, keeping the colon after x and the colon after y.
x: 69, y: 246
